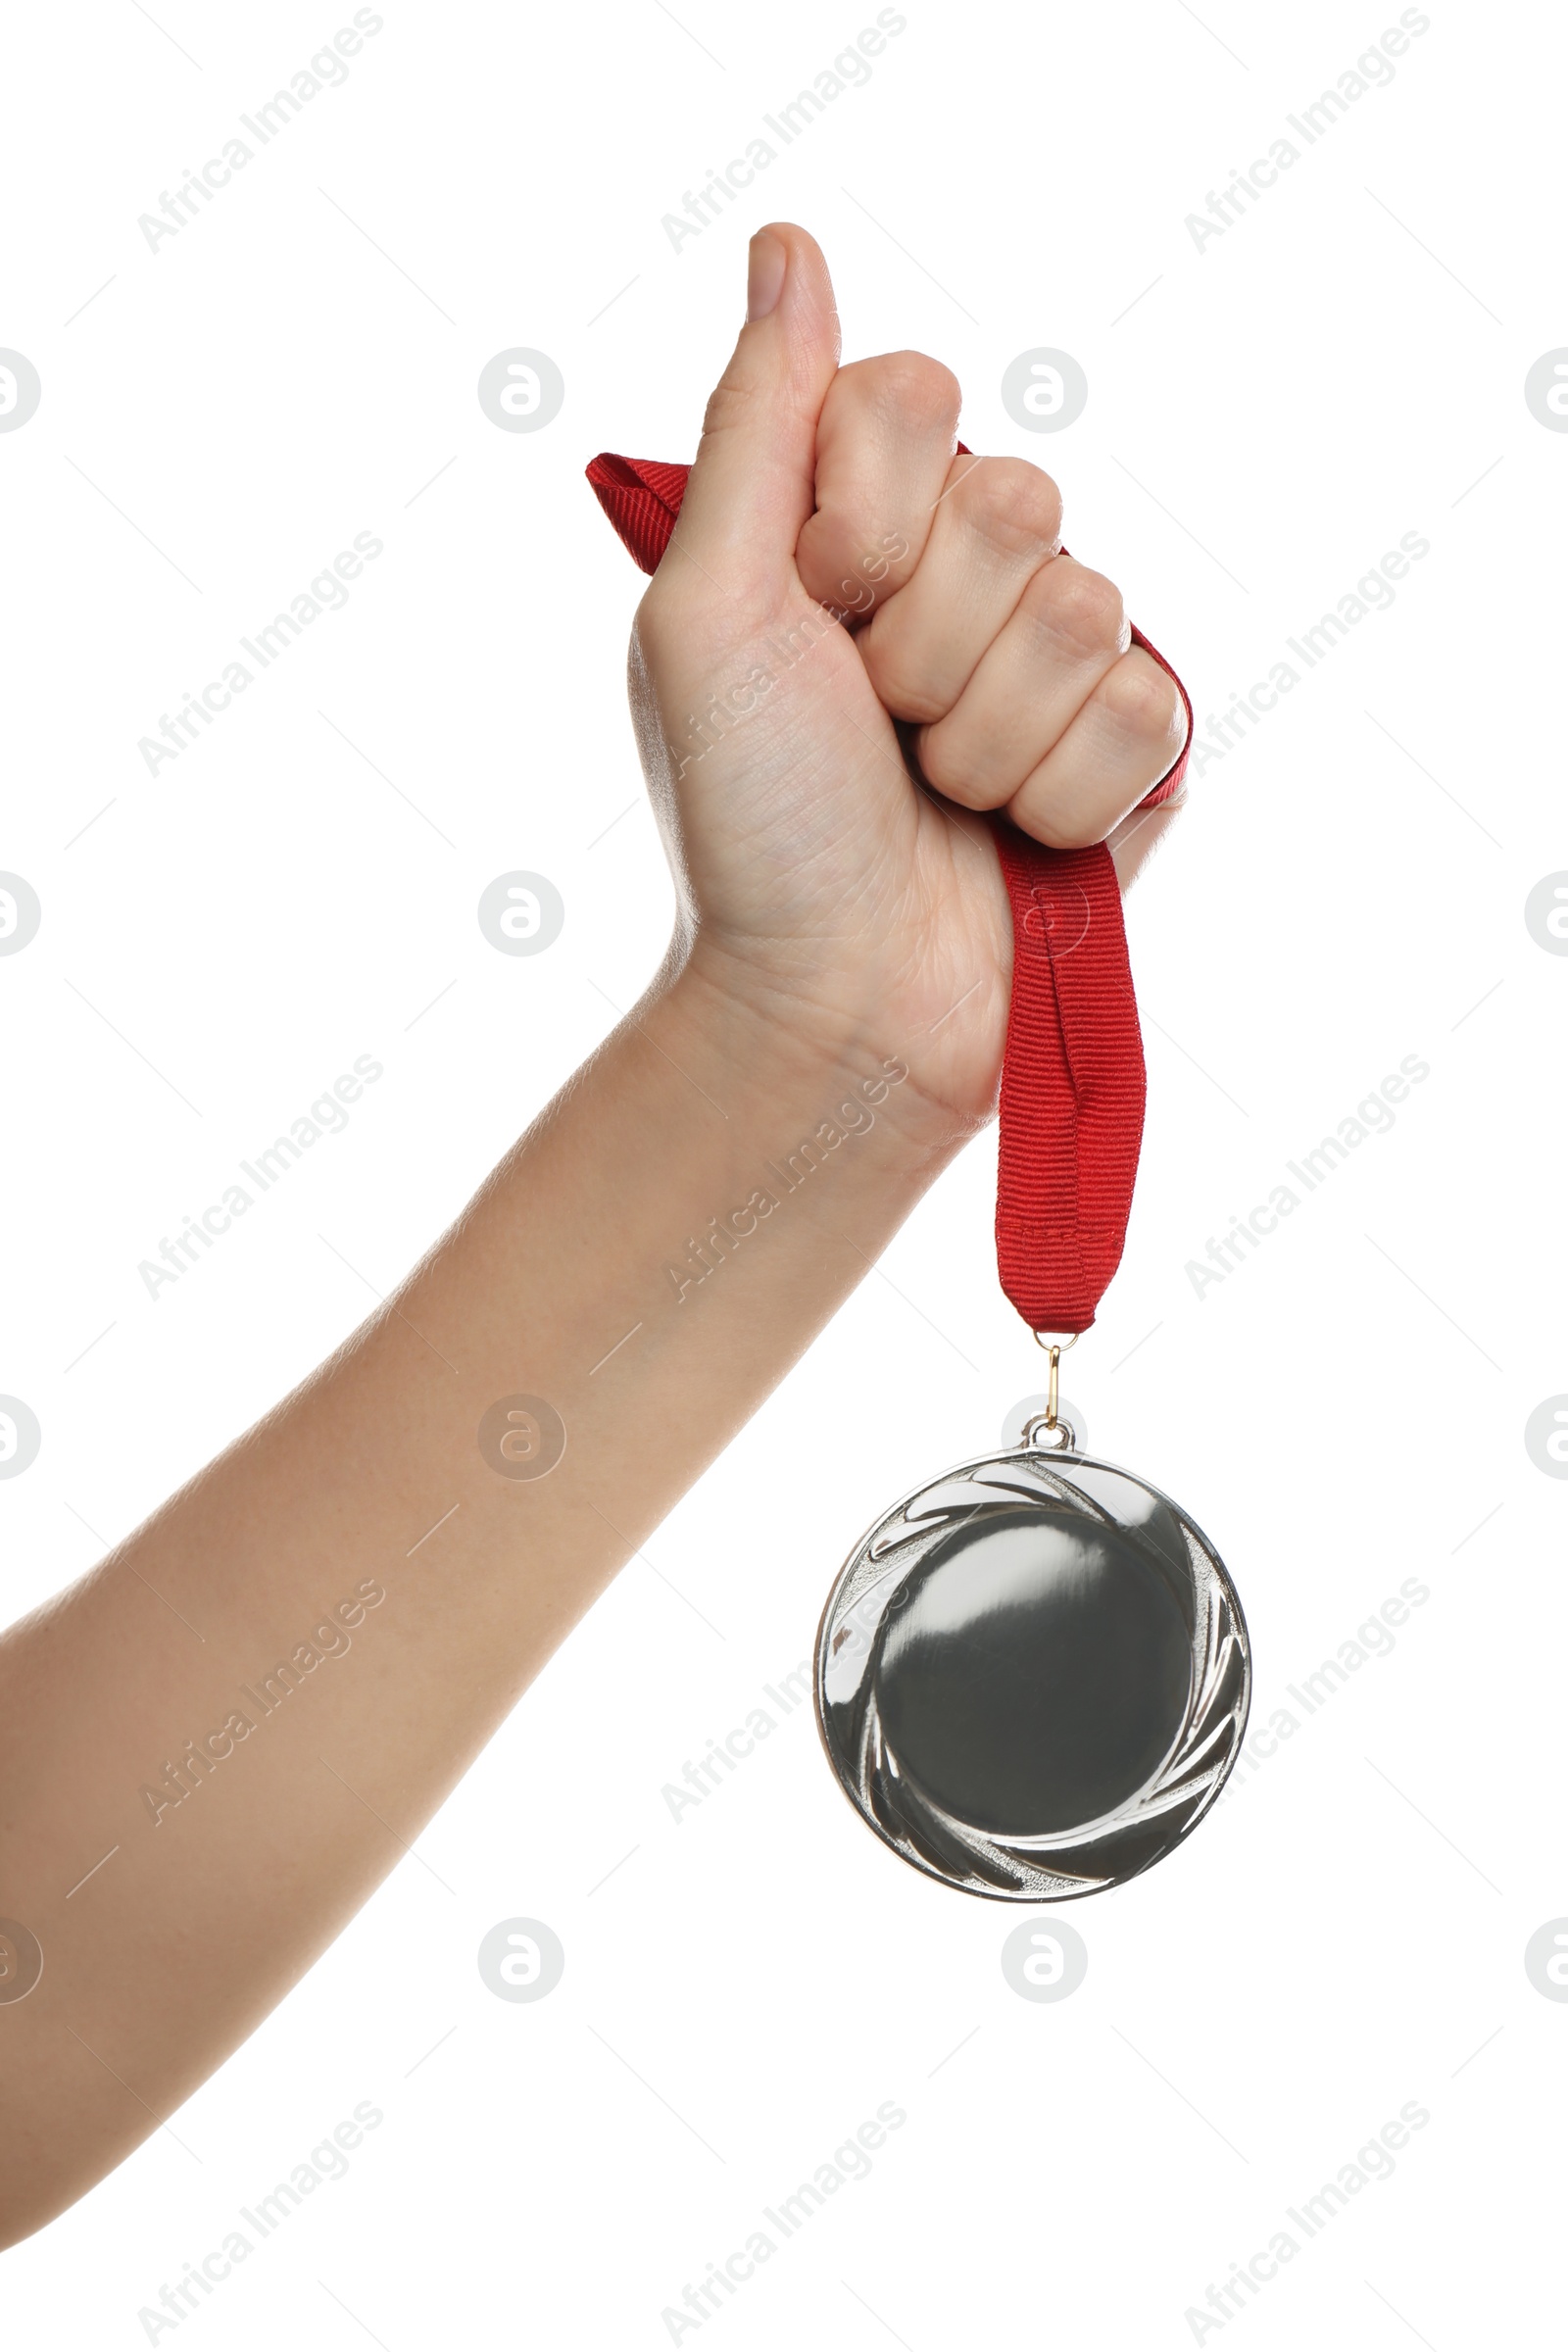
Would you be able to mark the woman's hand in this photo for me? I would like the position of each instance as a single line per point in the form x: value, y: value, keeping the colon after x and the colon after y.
x: 856, y: 640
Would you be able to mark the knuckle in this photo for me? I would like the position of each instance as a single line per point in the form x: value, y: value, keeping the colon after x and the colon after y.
x: 733, y: 400
x: 1080, y: 605
x: 1013, y: 505
x: 912, y: 387
x: 1143, y: 701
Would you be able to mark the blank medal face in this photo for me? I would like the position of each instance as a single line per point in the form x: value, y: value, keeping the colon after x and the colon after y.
x: 1033, y: 1676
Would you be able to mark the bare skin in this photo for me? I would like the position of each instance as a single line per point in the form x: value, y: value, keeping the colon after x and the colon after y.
x: 841, y: 952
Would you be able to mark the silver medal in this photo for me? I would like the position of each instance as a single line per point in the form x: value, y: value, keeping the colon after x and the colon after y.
x: 1032, y: 1674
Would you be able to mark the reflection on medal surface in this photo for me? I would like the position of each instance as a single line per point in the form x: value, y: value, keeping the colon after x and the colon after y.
x: 1033, y: 1676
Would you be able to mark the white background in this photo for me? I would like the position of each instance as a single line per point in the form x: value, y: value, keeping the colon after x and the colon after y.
x: 1344, y: 366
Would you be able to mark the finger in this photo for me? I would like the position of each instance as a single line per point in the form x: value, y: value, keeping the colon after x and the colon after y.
x: 884, y: 445
x: 998, y: 520
x: 1068, y: 632
x: 752, y: 484
x: 1127, y: 736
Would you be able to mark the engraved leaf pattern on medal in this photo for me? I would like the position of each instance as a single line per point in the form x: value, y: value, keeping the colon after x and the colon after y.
x: 1060, y: 1865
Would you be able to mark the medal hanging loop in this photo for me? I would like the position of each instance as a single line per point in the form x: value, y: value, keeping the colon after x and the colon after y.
x: 1042, y: 1427
x: 1056, y: 1347
x: 1050, y: 1423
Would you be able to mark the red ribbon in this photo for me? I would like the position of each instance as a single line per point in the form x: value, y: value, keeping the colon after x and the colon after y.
x: 1072, y: 1076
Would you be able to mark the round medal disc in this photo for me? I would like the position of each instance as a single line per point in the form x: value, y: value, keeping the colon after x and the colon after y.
x: 1033, y: 1676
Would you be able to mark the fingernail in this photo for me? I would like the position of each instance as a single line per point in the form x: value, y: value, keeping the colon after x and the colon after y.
x: 766, y: 262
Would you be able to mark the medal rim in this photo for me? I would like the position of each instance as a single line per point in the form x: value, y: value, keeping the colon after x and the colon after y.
x: 1048, y: 1456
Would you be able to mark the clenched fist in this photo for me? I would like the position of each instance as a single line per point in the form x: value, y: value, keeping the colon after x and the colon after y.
x: 857, y: 640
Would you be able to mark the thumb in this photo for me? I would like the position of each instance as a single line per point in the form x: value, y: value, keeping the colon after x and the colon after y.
x: 753, y: 485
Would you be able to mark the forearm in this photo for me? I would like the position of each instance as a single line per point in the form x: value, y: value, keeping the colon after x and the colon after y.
x: 571, y: 1278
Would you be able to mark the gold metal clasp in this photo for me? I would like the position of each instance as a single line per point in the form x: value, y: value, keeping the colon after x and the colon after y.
x: 1056, y: 1346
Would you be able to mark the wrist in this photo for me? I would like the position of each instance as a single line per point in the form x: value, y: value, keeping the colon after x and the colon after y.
x: 762, y: 1053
